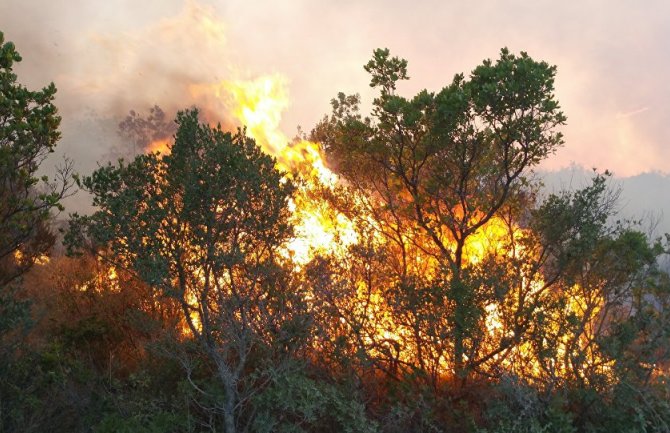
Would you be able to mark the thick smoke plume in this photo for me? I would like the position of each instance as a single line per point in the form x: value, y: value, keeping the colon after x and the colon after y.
x: 108, y: 58
x: 118, y: 92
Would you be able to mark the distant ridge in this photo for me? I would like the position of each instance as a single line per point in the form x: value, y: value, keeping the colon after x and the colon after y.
x: 643, y: 197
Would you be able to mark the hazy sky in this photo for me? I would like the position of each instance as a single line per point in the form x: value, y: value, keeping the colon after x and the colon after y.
x: 107, y: 57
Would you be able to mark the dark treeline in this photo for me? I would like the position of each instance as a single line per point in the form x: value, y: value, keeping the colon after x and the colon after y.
x: 467, y: 302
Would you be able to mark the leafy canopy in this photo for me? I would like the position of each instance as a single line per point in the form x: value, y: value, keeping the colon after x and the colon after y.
x: 28, y: 133
x: 435, y: 168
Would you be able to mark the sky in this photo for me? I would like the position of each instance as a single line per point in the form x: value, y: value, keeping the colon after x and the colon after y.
x: 108, y: 57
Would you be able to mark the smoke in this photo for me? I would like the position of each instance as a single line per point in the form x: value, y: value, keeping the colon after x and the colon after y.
x: 110, y: 57
x: 644, y: 198
x: 610, y: 56
x: 155, y: 64
x: 114, y: 80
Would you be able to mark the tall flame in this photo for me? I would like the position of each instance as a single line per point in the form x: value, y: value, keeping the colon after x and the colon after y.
x: 258, y: 105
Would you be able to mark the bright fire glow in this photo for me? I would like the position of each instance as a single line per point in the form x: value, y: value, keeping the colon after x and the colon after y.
x: 20, y: 258
x: 162, y: 146
x: 257, y: 105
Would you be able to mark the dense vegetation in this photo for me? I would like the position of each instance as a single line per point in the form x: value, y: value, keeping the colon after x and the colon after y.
x: 468, y: 302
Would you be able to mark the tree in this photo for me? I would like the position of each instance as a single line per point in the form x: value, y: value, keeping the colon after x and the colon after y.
x: 139, y: 132
x: 204, y: 225
x: 434, y: 170
x: 28, y: 133
x: 464, y: 270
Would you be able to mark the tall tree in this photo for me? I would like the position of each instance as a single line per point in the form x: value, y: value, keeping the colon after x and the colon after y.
x: 28, y: 133
x: 437, y: 168
x: 203, y: 225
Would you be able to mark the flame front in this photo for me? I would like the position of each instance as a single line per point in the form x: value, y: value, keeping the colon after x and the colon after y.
x: 257, y: 105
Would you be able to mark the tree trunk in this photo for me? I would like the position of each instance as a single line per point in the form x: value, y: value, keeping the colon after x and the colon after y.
x: 229, y: 417
x: 229, y: 412
x: 459, y: 298
x: 229, y: 382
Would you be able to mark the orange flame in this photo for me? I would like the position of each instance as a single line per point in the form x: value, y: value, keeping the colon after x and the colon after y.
x: 161, y: 145
x: 258, y: 105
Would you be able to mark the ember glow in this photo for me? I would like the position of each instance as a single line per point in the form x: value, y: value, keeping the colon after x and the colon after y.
x: 257, y: 105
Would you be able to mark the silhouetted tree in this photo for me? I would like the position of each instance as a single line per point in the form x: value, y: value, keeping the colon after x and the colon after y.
x: 28, y: 133
x: 438, y: 167
x: 204, y: 225
x: 138, y: 131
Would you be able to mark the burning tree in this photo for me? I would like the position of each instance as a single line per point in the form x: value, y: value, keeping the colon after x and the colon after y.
x: 426, y: 254
x: 464, y: 271
x: 203, y: 225
x: 437, y: 169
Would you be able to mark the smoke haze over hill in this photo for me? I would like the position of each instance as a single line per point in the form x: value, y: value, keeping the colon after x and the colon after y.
x: 109, y: 58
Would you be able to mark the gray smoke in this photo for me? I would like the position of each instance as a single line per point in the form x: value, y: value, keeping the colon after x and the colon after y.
x: 107, y: 58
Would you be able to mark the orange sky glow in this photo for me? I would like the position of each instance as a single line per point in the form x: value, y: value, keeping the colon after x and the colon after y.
x: 107, y: 58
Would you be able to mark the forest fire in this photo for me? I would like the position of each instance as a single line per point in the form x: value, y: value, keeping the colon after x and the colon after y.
x: 424, y: 282
x: 257, y: 106
x: 161, y: 145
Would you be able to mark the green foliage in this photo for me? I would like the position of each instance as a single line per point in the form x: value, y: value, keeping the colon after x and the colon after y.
x: 28, y: 133
x: 466, y: 145
x: 295, y: 403
x: 205, y: 325
x: 140, y: 405
x: 572, y: 224
x: 34, y: 392
x: 627, y: 408
x: 579, y: 299
x: 515, y: 407
x: 84, y: 360
x: 214, y: 189
x: 159, y: 423
x: 439, y: 166
x: 203, y: 226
